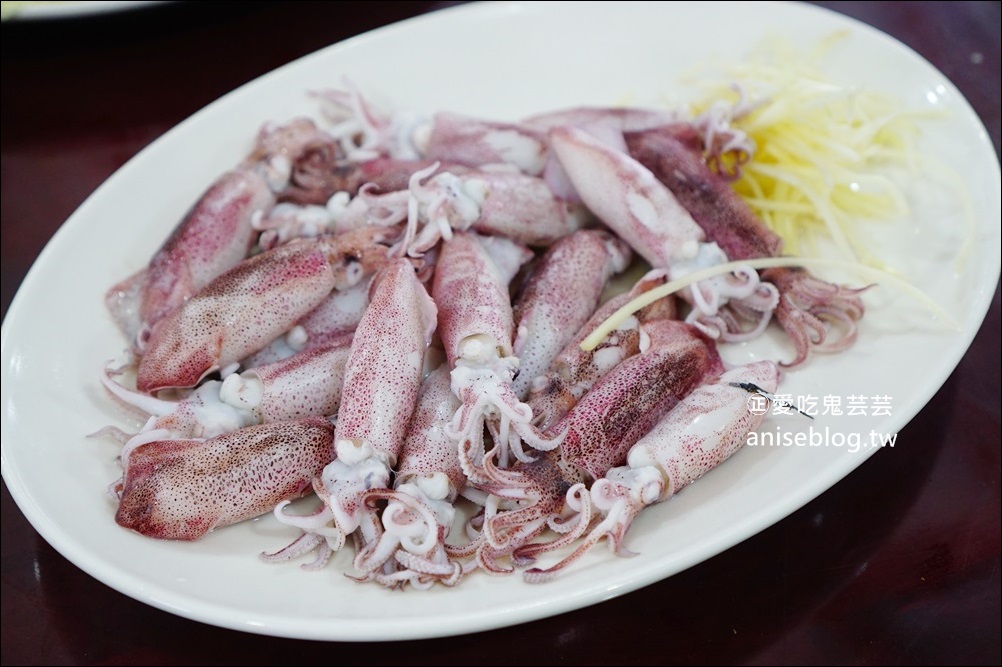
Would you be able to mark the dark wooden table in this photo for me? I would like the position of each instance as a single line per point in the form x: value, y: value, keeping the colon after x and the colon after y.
x: 898, y: 563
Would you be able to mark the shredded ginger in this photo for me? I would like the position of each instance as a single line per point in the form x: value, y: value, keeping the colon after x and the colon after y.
x: 820, y: 151
x: 810, y: 158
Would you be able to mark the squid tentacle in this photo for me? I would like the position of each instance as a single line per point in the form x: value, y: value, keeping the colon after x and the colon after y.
x: 676, y: 452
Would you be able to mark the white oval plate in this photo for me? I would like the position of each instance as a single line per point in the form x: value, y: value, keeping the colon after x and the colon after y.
x: 504, y: 61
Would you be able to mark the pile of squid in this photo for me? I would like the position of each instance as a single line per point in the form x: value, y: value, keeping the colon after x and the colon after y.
x: 387, y: 310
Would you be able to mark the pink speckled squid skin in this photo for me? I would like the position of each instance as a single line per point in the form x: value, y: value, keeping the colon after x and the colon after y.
x: 704, y: 429
x: 381, y: 385
x: 599, y: 432
x: 476, y: 327
x: 428, y: 449
x: 384, y: 369
x: 475, y: 142
x: 574, y: 371
x: 250, y: 305
x: 559, y: 296
x: 635, y: 395
x: 708, y: 427
x: 236, y: 314
x: 524, y: 209
x: 495, y: 202
x: 339, y: 314
x: 674, y: 154
x: 182, y: 489
x: 330, y: 323
x: 308, y: 383
x: 627, y: 197
x: 212, y: 237
x: 472, y: 296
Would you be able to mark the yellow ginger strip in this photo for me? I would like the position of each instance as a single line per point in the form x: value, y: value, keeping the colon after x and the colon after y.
x: 649, y: 297
x: 820, y: 148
